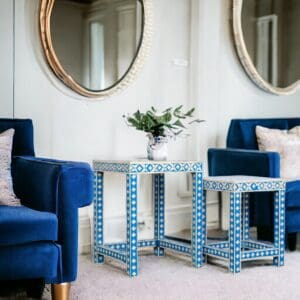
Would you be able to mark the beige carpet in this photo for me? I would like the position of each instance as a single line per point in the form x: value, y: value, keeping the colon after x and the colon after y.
x: 172, y: 277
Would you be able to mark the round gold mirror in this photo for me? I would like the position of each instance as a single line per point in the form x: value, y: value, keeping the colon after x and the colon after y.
x: 95, y: 47
x: 267, y: 39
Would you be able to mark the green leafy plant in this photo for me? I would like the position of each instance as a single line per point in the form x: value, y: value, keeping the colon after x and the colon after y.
x: 169, y: 123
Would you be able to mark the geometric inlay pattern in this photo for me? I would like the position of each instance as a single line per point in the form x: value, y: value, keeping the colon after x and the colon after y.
x: 127, y: 252
x: 239, y: 247
x: 147, y: 166
x: 243, y: 184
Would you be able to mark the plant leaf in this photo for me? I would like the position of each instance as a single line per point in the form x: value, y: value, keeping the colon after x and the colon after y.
x: 196, y: 121
x: 137, y: 115
x: 190, y: 112
x: 178, y: 124
x: 161, y: 124
x: 178, y: 132
x: 167, y: 110
x: 178, y: 109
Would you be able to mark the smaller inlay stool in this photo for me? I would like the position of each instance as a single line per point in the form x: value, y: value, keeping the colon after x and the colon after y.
x: 240, y: 247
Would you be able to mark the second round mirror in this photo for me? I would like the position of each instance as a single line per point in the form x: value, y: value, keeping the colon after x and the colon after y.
x: 267, y: 34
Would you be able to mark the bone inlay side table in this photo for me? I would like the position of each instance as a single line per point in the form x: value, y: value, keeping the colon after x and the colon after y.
x: 127, y: 252
x: 240, y: 247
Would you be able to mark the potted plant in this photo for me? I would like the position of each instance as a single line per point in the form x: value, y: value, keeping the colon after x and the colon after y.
x: 161, y: 127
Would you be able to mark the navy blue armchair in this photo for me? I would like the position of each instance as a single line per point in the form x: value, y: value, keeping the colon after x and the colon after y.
x: 39, y: 240
x: 242, y: 157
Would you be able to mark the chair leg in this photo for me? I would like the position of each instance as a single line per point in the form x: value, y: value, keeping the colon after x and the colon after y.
x: 292, y: 241
x: 60, y: 291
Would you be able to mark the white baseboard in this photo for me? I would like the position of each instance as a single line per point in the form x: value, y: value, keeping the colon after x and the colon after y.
x: 84, y: 235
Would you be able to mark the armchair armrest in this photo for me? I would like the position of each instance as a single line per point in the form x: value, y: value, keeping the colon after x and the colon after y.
x: 231, y: 161
x: 42, y: 183
x: 59, y: 187
x: 243, y: 162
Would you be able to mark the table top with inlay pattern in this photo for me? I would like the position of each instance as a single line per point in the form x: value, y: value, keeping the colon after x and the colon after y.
x: 146, y: 166
x: 243, y: 183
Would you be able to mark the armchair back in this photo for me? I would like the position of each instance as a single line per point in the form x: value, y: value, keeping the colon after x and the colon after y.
x: 23, y: 138
x: 241, y: 133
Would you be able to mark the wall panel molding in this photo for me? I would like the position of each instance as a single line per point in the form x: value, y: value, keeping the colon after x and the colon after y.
x: 7, y: 58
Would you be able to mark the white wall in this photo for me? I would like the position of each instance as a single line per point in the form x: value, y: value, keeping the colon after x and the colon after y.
x: 6, y: 58
x: 225, y: 91
x: 69, y: 128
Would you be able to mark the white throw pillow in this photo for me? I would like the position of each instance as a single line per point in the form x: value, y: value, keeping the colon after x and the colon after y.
x: 7, y: 196
x: 286, y: 143
x: 295, y: 130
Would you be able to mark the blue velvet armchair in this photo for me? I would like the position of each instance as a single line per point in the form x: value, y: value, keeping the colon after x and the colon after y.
x: 242, y: 157
x: 39, y: 240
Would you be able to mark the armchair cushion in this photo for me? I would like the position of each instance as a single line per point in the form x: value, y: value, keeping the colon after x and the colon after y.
x: 30, y: 261
x: 7, y: 196
x: 287, y: 144
x: 20, y: 225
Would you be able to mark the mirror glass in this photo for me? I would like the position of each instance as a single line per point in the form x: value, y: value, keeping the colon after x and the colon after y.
x: 97, y: 41
x: 271, y: 31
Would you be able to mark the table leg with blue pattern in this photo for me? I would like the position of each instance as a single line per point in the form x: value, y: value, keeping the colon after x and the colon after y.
x: 132, y: 225
x: 127, y: 251
x: 98, y: 216
x: 279, y: 226
x: 235, y: 233
x: 245, y: 216
x: 204, y: 225
x: 198, y: 222
x: 159, y: 211
x: 241, y: 246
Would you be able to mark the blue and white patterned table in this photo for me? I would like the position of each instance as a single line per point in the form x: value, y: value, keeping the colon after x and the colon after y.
x: 127, y: 252
x: 240, y: 247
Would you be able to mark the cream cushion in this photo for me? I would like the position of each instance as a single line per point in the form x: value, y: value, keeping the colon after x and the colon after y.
x: 7, y: 196
x: 286, y: 143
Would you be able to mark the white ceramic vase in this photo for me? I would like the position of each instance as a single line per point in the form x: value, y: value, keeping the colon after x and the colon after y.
x: 157, y: 147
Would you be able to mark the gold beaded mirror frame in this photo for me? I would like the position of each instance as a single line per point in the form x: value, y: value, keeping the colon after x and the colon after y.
x: 101, y: 50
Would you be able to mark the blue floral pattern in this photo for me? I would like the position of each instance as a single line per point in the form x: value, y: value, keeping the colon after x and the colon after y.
x: 239, y: 247
x: 128, y: 252
x: 147, y: 166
